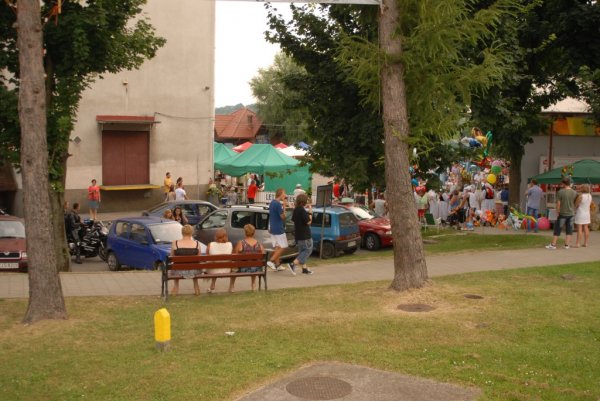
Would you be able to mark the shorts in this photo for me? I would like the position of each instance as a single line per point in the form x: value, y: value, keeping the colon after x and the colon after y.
x: 421, y: 213
x: 305, y: 248
x: 93, y: 204
x: 568, y: 222
x: 279, y: 240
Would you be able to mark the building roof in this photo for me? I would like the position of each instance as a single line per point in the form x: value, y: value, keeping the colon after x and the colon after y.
x: 241, y: 124
x: 568, y: 105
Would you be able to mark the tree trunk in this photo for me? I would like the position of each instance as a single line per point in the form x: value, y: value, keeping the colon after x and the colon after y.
x: 63, y: 257
x: 410, y: 269
x: 514, y: 185
x: 45, y: 293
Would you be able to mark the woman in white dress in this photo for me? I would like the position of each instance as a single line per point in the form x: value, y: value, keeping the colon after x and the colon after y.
x: 220, y: 246
x: 582, y: 216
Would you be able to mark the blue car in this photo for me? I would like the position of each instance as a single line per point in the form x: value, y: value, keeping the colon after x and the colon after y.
x: 141, y: 242
x: 340, y: 231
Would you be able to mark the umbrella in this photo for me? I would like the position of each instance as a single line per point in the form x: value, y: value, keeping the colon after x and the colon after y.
x: 293, y: 151
x: 243, y: 147
x: 258, y: 159
x: 581, y: 172
x: 222, y: 152
x: 281, y: 145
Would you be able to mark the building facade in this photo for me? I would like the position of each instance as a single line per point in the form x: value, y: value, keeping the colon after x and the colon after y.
x: 134, y: 126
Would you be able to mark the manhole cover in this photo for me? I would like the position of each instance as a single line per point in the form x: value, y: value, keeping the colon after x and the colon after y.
x: 568, y: 277
x: 319, y: 388
x: 415, y: 307
x: 473, y: 296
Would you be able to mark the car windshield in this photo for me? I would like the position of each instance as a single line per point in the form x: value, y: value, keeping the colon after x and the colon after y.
x: 347, y: 219
x: 12, y: 229
x: 361, y: 214
x: 165, y: 232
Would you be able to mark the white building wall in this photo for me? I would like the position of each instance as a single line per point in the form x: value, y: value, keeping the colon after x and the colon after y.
x: 176, y: 87
x: 581, y: 147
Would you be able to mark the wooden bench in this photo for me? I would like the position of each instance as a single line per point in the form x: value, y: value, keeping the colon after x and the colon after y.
x: 204, y: 263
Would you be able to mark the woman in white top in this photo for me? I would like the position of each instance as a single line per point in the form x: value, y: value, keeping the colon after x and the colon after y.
x: 221, y: 246
x: 582, y: 216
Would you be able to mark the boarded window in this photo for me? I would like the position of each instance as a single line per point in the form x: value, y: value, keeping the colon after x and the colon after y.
x: 125, y: 157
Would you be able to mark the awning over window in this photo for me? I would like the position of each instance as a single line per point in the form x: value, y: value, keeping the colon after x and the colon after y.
x: 141, y: 123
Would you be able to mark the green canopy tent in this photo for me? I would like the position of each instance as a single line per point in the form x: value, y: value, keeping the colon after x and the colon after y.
x: 280, y: 171
x: 581, y: 172
x: 222, y: 152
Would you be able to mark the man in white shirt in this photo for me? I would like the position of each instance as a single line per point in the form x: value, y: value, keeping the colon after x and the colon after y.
x: 180, y: 192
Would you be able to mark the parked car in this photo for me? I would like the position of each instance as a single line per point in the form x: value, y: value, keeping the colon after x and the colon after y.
x: 13, y: 255
x: 193, y: 210
x: 340, y: 231
x: 375, y: 232
x: 141, y: 242
x: 234, y: 218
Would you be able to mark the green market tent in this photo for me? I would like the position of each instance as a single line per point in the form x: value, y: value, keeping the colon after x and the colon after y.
x: 581, y: 172
x: 279, y: 170
x: 222, y: 152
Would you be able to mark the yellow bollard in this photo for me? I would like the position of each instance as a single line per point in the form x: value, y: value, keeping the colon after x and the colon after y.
x: 162, y: 328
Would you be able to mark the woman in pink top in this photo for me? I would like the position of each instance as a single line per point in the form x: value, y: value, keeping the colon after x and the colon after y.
x: 93, y: 199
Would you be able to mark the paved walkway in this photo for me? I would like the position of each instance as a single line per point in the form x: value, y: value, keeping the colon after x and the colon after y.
x: 15, y: 285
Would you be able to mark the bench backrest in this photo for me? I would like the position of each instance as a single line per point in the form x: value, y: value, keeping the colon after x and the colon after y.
x: 236, y: 260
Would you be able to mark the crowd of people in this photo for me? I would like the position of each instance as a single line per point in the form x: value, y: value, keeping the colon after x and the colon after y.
x: 301, y: 217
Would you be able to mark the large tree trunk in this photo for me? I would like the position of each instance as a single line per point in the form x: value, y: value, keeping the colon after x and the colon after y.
x: 410, y: 269
x: 514, y: 184
x: 45, y: 293
x: 63, y: 258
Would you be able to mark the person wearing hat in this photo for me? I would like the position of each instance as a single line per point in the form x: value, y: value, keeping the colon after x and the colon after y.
x: 298, y: 190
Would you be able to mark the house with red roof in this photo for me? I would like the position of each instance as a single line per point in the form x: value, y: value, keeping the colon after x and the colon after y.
x: 243, y: 125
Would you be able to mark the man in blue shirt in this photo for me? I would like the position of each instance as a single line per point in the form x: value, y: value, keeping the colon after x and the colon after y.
x: 534, y: 198
x: 277, y: 228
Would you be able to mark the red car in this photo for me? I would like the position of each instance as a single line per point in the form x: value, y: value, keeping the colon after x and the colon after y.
x: 374, y: 231
x: 12, y: 244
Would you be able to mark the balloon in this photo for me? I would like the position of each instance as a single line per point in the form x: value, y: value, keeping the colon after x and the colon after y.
x: 486, y: 152
x: 473, y: 169
x: 491, y: 178
x: 414, y: 182
x: 543, y: 223
x: 497, y: 163
x: 496, y: 170
x: 481, y: 139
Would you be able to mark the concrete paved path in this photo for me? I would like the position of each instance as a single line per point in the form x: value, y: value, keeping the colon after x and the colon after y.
x: 15, y: 285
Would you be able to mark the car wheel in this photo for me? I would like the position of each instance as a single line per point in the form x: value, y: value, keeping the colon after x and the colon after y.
x: 372, y: 242
x: 350, y: 251
x: 328, y: 250
x: 113, y: 262
x: 158, y: 265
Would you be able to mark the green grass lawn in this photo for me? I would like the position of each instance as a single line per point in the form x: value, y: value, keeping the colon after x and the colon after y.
x: 448, y: 241
x: 534, y: 336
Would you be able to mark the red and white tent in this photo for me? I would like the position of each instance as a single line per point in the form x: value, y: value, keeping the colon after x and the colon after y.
x: 244, y: 146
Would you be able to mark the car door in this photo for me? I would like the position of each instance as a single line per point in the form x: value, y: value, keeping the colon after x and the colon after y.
x: 205, y: 231
x: 239, y: 218
x: 140, y: 252
x: 119, y: 242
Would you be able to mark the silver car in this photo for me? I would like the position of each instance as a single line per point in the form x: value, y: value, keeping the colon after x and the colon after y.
x: 234, y: 218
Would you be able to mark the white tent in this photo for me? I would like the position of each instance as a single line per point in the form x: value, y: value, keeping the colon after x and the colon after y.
x: 293, y: 151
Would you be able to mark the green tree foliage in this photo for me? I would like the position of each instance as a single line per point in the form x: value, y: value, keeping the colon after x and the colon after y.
x: 555, y: 54
x: 281, y: 108
x: 346, y: 135
x: 87, y: 39
x: 82, y: 42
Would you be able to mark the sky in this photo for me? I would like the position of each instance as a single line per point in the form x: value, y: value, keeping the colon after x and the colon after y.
x: 241, y: 49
